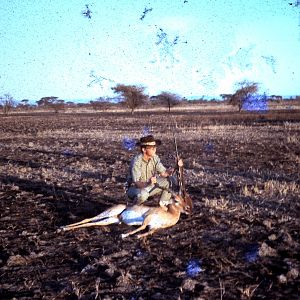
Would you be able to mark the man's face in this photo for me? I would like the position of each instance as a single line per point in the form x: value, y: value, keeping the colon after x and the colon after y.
x: 149, y: 151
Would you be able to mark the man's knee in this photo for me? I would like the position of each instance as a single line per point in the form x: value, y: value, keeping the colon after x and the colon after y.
x: 164, y: 183
x: 142, y: 196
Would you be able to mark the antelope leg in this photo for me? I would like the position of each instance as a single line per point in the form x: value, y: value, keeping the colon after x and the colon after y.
x: 114, y: 211
x: 124, y: 235
x: 81, y: 222
x: 107, y: 221
x: 146, y: 233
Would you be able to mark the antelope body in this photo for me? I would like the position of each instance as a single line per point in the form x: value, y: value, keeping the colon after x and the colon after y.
x: 145, y: 216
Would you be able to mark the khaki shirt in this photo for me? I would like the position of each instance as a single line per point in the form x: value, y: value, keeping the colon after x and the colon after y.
x: 142, y: 170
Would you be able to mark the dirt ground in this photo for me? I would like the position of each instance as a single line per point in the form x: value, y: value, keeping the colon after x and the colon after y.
x: 241, y: 242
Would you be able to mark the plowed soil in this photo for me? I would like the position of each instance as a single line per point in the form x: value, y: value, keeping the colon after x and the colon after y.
x: 241, y: 242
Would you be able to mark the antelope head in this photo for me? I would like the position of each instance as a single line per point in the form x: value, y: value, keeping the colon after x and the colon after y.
x: 188, y: 203
x: 184, y: 202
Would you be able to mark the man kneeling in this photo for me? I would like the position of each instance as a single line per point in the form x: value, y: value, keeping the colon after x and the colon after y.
x: 147, y: 174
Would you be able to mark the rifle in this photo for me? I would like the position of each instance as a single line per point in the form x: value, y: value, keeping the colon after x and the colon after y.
x: 180, y: 179
x: 179, y: 172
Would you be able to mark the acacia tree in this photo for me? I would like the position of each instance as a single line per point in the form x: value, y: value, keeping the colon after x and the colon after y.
x: 132, y: 96
x: 24, y: 104
x: 245, y: 90
x: 101, y: 103
x: 169, y: 99
x: 7, y: 103
x: 52, y: 103
x: 226, y: 97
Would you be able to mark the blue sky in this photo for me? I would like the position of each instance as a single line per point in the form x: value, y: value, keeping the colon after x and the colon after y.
x: 193, y: 47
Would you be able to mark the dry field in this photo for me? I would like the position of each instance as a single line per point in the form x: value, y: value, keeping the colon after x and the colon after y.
x: 241, y: 242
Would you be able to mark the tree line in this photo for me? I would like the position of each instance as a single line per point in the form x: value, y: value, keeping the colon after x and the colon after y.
x: 130, y: 96
x: 134, y: 96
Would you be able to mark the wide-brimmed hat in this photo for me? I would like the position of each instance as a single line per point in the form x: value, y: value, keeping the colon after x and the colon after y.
x: 148, y: 140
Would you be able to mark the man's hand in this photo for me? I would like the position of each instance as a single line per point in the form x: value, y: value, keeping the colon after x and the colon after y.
x: 170, y: 171
x: 164, y: 204
x: 180, y: 163
x: 153, y: 180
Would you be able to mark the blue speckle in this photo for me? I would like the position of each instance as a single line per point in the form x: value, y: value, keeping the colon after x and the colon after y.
x: 256, y: 103
x: 193, y: 268
x: 128, y: 144
x: 146, y: 131
x: 209, y: 148
x: 68, y: 152
x: 139, y: 253
x: 251, y: 254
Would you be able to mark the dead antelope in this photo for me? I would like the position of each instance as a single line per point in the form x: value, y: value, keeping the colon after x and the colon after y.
x: 145, y: 216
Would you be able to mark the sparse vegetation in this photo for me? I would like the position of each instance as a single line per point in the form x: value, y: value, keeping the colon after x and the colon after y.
x: 53, y: 103
x: 7, y: 103
x: 101, y: 103
x: 168, y: 99
x: 244, y: 90
x: 132, y: 96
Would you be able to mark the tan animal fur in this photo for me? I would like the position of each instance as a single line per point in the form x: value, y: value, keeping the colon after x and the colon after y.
x: 153, y: 217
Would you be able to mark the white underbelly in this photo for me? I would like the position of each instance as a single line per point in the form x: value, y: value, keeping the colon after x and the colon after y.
x: 158, y: 222
x: 131, y: 217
